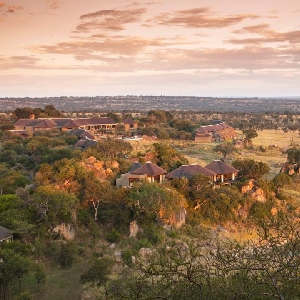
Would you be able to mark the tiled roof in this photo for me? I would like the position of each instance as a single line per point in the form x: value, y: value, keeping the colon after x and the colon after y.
x: 188, y: 171
x: 97, y: 121
x: 221, y: 168
x: 129, y: 121
x: 150, y: 169
x: 47, y: 123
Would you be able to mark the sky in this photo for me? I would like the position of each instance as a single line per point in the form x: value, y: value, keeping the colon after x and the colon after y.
x: 215, y: 48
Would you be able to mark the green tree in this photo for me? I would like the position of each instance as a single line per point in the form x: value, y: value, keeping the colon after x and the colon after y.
x: 249, y: 135
x: 168, y: 157
x: 225, y: 149
x: 54, y: 206
x: 250, y: 169
x: 13, y: 266
x: 98, y: 274
x: 281, y: 180
x: 14, y: 214
x: 23, y: 113
x: 293, y: 155
x: 154, y: 200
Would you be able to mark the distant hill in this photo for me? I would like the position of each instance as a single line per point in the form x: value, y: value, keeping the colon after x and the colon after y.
x: 146, y: 103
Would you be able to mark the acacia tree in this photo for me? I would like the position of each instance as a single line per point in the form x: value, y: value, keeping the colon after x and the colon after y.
x: 250, y: 169
x: 225, y: 149
x: 54, y: 206
x: 168, y: 157
x: 155, y: 200
x: 249, y: 134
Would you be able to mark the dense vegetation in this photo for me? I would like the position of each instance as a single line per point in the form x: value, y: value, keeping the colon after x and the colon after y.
x: 65, y: 213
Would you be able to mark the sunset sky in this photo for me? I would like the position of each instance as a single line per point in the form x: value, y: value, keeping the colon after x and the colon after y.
x: 168, y: 47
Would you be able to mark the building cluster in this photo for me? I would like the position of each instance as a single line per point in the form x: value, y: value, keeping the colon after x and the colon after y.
x: 215, y: 133
x: 218, y: 171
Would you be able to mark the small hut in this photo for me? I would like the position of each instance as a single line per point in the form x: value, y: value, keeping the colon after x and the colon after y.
x: 224, y: 172
x: 188, y: 171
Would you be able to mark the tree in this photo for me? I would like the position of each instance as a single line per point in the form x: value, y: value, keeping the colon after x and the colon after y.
x: 225, y: 149
x: 281, y: 180
x: 23, y: 113
x: 293, y: 155
x: 249, y: 134
x: 250, y: 169
x: 168, y: 157
x: 154, y: 200
x: 13, y: 266
x: 98, y: 274
x: 54, y: 206
x: 14, y: 214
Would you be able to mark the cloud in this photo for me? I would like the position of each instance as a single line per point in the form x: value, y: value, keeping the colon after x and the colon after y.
x: 13, y: 8
x: 93, y: 49
x: 18, y: 62
x: 53, y: 4
x: 201, y: 17
x: 113, y: 19
x: 266, y: 35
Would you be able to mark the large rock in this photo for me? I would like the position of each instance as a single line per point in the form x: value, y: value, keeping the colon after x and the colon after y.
x: 65, y: 230
x: 133, y: 229
x: 259, y: 195
x: 249, y: 186
x: 145, y: 252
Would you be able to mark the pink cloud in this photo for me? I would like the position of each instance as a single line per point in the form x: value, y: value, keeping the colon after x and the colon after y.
x: 13, y: 8
x: 113, y: 19
x: 266, y: 35
x: 201, y: 17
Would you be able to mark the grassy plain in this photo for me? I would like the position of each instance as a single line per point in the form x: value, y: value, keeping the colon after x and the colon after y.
x: 272, y: 141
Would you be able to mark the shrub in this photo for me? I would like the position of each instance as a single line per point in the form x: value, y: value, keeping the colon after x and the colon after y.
x: 113, y: 236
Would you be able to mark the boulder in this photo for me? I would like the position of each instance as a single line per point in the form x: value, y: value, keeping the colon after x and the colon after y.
x: 145, y: 252
x: 65, y: 230
x: 133, y: 229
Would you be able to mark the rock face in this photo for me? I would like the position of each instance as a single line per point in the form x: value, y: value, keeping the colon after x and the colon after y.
x: 101, y: 169
x: 133, y: 229
x: 289, y: 168
x: 145, y: 252
x: 259, y: 195
x: 65, y: 230
x: 255, y: 191
x: 177, y: 219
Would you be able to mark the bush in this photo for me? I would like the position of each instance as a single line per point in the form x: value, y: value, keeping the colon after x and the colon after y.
x: 127, y: 257
x: 114, y: 236
x: 67, y: 254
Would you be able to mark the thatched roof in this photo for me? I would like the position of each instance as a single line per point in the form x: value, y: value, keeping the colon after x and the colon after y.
x: 134, y: 166
x: 149, y: 169
x: 221, y: 168
x: 5, y: 233
x: 188, y: 171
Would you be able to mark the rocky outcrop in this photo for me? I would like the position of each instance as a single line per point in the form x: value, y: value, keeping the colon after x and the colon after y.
x: 133, y: 229
x: 144, y: 253
x: 65, y: 230
x: 256, y: 193
x: 289, y: 169
x: 101, y: 169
